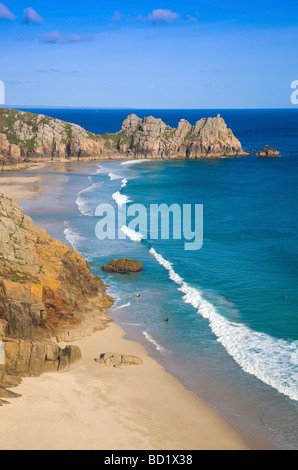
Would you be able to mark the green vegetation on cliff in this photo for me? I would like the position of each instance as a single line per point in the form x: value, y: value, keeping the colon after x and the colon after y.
x: 26, y: 137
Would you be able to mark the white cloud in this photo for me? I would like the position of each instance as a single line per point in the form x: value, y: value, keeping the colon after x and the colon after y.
x: 57, y: 38
x: 193, y: 18
x: 6, y: 14
x: 31, y: 16
x: 117, y: 16
x: 162, y: 16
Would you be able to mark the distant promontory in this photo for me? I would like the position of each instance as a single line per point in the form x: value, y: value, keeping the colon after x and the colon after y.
x: 27, y: 138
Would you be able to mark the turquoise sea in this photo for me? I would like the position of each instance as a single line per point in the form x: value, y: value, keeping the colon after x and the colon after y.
x: 232, y: 335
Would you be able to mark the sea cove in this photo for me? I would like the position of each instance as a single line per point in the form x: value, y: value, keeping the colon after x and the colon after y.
x: 223, y: 340
x: 148, y: 228
x: 231, y: 333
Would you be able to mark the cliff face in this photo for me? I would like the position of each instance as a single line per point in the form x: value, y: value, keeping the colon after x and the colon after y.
x: 46, y: 291
x: 26, y: 137
x: 31, y: 137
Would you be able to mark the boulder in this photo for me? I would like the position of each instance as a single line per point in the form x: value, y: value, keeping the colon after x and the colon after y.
x: 117, y: 359
x: 268, y: 152
x: 123, y: 266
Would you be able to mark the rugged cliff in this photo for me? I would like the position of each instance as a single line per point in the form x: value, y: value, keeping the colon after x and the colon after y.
x: 26, y: 137
x: 152, y: 138
x: 46, y: 291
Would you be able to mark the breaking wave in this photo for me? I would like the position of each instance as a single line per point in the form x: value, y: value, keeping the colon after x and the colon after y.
x: 273, y: 361
x: 135, y: 236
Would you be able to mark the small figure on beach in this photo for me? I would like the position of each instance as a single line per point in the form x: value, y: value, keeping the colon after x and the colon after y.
x: 167, y: 320
x: 138, y: 296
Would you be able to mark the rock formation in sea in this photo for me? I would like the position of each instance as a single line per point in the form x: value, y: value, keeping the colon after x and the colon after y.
x: 47, y: 294
x: 27, y: 138
x: 152, y: 138
x: 268, y: 152
x: 123, y: 266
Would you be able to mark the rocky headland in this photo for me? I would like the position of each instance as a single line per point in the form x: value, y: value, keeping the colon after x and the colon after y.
x: 152, y: 138
x: 47, y: 295
x: 26, y: 138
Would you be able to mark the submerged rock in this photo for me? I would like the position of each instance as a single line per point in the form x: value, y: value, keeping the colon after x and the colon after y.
x: 123, y: 266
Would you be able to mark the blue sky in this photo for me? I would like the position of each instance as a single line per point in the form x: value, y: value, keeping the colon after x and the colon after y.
x: 149, y: 54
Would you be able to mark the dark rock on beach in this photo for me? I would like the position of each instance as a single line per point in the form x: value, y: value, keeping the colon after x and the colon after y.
x: 117, y: 359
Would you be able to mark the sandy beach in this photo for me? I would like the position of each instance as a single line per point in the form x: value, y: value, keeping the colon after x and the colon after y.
x: 94, y: 406
x: 22, y: 188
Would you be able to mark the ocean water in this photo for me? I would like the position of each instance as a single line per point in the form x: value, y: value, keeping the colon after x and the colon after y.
x: 232, y: 335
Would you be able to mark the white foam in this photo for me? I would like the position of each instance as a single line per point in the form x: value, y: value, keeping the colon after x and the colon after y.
x: 82, y: 203
x: 72, y: 237
x: 83, y: 206
x: 152, y: 340
x: 166, y: 264
x: 113, y: 177
x: 123, y: 306
x: 133, y: 162
x: 267, y: 358
x: 121, y: 199
x: 124, y: 183
x: 76, y: 240
x: 135, y: 236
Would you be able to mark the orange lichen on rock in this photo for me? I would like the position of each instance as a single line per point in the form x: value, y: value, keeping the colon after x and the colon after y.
x: 39, y: 272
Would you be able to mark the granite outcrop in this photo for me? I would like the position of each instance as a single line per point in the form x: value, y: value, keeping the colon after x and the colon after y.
x: 268, y: 152
x: 27, y: 138
x: 123, y: 266
x: 47, y: 295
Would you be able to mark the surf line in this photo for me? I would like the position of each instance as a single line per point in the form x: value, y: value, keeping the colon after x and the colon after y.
x: 267, y: 358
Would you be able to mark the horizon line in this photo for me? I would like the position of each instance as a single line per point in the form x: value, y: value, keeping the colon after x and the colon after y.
x: 134, y: 108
